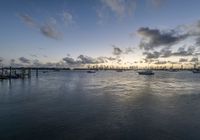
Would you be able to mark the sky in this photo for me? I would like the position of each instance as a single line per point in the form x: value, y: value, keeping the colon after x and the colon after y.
x: 63, y: 33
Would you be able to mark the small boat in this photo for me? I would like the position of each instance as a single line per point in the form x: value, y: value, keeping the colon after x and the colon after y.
x: 173, y: 70
x: 146, y: 72
x: 196, y: 71
x: 119, y: 70
x: 45, y: 72
x: 91, y: 71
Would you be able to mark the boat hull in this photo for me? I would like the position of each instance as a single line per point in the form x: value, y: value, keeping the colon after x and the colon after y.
x: 145, y: 73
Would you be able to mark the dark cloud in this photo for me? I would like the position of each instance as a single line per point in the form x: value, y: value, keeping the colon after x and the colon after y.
x: 24, y: 60
x: 160, y: 62
x: 194, y: 59
x: 70, y: 61
x: 86, y: 59
x: 152, y: 55
x: 116, y: 50
x: 183, y: 60
x: 166, y: 52
x: 153, y: 38
x: 183, y: 52
x: 1, y: 59
x: 198, y: 41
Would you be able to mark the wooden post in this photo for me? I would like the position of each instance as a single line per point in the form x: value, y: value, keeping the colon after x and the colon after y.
x: 37, y: 72
x: 2, y: 70
x: 29, y: 73
x: 10, y: 75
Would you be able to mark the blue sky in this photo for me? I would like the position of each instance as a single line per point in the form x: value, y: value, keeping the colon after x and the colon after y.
x: 49, y: 31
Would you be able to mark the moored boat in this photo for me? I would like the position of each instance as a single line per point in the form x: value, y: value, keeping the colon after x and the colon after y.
x: 146, y: 72
x: 91, y: 71
x: 196, y: 71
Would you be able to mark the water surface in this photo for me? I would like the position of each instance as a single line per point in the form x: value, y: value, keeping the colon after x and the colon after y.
x: 106, y: 105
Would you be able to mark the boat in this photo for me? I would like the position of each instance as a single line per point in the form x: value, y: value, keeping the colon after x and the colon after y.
x: 146, y: 72
x: 173, y: 70
x: 45, y: 72
x: 119, y: 70
x: 91, y: 71
x: 196, y: 71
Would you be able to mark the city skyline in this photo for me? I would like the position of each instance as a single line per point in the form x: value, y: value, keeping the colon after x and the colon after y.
x: 67, y: 33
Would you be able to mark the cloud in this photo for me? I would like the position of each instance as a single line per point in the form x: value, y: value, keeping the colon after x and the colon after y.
x: 27, y: 19
x: 197, y: 41
x: 154, y: 38
x: 24, y: 60
x: 47, y: 29
x: 1, y: 59
x: 160, y: 62
x: 182, y: 52
x: 70, y: 60
x: 128, y: 50
x: 194, y: 59
x: 157, y: 3
x: 36, y: 63
x: 166, y: 52
x: 86, y: 59
x: 116, y: 50
x: 120, y: 8
x: 67, y: 18
x: 50, y: 31
x: 183, y: 60
x: 34, y: 55
x: 153, y: 55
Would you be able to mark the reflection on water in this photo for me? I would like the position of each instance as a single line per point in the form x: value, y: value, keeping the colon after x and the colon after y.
x: 104, y: 105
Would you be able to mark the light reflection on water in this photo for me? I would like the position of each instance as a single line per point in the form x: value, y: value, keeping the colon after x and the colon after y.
x: 104, y: 105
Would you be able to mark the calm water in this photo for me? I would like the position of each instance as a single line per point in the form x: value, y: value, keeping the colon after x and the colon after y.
x: 101, y: 106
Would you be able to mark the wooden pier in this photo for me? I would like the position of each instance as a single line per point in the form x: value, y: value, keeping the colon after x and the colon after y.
x: 15, y: 73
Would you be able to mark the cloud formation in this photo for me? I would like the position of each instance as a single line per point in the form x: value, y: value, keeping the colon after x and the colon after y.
x: 69, y: 60
x: 153, y: 55
x: 67, y: 18
x: 1, y: 59
x: 183, y: 52
x: 194, y: 59
x: 157, y: 3
x: 24, y: 60
x: 120, y: 8
x: 116, y: 50
x: 183, y: 60
x: 86, y: 60
x: 154, y: 38
x: 47, y: 29
x: 27, y: 19
x: 50, y: 31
